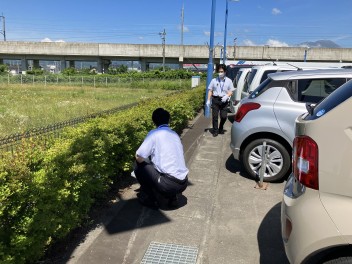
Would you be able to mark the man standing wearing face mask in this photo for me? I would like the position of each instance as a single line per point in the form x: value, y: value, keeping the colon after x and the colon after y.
x: 219, y: 92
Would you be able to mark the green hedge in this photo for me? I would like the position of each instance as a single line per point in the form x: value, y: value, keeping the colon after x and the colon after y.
x: 47, y: 191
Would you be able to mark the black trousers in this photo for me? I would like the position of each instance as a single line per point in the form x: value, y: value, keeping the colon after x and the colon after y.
x: 152, y: 180
x: 218, y: 107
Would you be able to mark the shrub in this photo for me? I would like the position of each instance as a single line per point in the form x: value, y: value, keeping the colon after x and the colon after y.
x: 47, y: 191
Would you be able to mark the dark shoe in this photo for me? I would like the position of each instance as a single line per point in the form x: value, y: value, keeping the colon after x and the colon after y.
x: 215, y: 134
x: 145, y: 200
x: 173, y: 202
x: 222, y: 131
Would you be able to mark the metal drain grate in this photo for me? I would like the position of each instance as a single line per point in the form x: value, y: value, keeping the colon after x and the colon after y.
x: 161, y: 253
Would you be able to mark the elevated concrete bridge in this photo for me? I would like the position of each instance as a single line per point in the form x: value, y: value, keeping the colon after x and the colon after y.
x: 67, y: 54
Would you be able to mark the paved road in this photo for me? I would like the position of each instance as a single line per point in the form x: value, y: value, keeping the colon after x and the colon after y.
x: 222, y: 218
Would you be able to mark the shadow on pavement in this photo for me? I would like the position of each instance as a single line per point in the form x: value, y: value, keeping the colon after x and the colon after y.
x: 235, y: 166
x: 270, y: 243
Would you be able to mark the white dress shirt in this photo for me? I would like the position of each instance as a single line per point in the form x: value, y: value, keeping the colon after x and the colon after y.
x: 164, y: 147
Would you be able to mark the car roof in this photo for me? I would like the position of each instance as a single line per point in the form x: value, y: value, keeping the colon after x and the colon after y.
x: 245, y: 69
x: 274, y: 67
x: 310, y: 73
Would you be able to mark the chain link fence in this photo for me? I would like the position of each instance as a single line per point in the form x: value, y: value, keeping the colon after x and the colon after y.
x: 90, y: 81
x: 10, y: 142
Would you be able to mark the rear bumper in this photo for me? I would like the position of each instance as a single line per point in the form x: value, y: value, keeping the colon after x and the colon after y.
x: 235, y: 151
x: 306, y: 226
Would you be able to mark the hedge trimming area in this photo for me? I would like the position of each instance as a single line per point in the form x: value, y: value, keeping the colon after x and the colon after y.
x: 46, y: 191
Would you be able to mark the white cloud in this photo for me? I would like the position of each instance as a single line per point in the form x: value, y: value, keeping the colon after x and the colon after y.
x: 248, y: 42
x: 276, y: 11
x: 276, y: 43
x: 49, y: 40
x: 46, y: 40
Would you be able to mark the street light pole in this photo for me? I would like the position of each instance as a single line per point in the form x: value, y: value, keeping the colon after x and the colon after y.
x: 210, y: 63
x: 225, y: 33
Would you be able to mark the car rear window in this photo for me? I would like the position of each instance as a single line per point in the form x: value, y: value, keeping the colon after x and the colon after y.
x: 238, y: 75
x: 329, y: 103
x: 267, y: 84
x: 249, y: 80
x: 265, y: 75
x: 314, y: 90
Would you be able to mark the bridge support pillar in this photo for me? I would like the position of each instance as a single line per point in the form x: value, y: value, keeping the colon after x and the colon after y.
x: 36, y: 64
x: 62, y: 64
x: 24, y: 65
x: 144, y: 65
x: 103, y: 65
x: 72, y: 64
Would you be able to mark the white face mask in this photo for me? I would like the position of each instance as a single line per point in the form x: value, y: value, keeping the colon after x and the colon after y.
x: 221, y: 74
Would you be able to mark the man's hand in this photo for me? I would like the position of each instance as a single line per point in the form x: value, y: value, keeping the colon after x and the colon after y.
x: 225, y: 98
x: 208, y: 103
x: 139, y: 159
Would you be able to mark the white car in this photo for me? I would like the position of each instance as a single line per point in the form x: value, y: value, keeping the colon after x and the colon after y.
x: 260, y: 73
x: 267, y: 118
x: 238, y: 83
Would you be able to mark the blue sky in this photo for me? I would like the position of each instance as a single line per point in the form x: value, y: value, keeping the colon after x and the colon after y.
x: 252, y: 22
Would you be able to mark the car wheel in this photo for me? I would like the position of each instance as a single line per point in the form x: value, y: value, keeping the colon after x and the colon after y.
x: 278, y: 160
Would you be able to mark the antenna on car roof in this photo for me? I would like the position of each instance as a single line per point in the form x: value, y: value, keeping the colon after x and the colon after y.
x: 298, y: 68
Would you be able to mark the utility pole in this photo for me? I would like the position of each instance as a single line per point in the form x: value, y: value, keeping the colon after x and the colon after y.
x: 211, y: 53
x: 181, y: 48
x: 3, y: 26
x: 162, y: 35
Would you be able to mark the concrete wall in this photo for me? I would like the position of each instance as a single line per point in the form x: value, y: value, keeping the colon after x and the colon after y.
x: 147, y: 53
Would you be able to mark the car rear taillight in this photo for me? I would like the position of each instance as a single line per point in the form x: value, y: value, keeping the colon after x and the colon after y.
x: 305, y: 161
x: 244, y: 109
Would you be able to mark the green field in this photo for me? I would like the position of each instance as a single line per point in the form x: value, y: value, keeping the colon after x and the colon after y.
x: 23, y: 107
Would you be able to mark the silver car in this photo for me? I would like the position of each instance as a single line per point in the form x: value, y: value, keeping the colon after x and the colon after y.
x: 267, y: 117
x: 316, y: 210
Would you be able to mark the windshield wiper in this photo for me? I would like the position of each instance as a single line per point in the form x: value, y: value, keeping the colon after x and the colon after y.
x: 310, y: 108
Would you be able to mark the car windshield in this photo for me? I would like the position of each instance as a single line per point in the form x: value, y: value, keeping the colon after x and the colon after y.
x: 334, y: 99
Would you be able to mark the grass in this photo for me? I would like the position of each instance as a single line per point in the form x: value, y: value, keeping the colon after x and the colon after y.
x: 23, y: 107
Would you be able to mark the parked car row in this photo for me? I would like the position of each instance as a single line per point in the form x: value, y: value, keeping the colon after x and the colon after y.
x: 297, y: 123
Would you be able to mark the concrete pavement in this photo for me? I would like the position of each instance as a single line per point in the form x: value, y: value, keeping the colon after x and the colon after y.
x: 222, y: 218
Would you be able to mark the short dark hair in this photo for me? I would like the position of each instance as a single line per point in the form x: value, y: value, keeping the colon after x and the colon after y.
x: 160, y: 116
x: 221, y: 66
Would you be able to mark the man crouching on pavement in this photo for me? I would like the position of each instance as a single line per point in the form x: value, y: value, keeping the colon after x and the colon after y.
x: 165, y: 175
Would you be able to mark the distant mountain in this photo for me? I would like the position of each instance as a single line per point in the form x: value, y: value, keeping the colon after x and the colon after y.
x: 319, y: 44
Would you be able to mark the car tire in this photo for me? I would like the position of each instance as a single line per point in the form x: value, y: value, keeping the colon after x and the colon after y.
x: 278, y: 159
